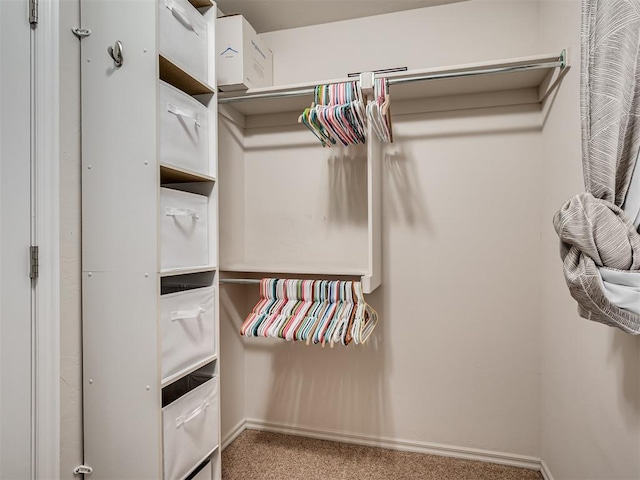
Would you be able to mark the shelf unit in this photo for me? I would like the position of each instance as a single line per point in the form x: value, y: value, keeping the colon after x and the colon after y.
x: 533, y: 73
x: 517, y: 81
x: 172, y: 174
x: 123, y: 281
x: 367, y: 267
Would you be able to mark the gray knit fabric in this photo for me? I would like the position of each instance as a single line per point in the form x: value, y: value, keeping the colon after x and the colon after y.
x: 595, y: 231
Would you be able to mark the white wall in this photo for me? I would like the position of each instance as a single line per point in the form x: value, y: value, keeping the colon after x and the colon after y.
x: 591, y: 372
x: 232, y: 381
x: 465, y: 32
x: 455, y: 359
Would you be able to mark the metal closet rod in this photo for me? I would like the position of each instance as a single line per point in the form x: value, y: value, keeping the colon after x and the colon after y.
x: 561, y: 63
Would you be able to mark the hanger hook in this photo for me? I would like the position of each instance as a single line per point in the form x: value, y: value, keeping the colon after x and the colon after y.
x: 115, y: 52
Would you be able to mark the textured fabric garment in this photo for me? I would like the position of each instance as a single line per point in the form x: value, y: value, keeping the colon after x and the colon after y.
x: 600, y: 240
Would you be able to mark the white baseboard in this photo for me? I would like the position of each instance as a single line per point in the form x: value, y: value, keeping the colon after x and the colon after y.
x: 488, y: 456
x: 544, y: 469
x: 233, y: 434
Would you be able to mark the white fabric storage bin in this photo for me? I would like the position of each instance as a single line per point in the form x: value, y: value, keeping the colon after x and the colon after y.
x: 183, y: 37
x: 187, y: 320
x: 184, y: 133
x: 205, y: 474
x: 185, y: 232
x: 190, y: 428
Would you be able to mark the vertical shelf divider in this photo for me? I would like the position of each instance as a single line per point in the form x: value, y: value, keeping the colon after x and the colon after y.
x: 373, y: 278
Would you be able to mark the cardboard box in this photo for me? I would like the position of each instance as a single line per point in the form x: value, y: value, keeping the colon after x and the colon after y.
x: 243, y: 60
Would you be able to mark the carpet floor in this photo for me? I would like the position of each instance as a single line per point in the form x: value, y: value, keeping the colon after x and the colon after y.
x: 272, y: 456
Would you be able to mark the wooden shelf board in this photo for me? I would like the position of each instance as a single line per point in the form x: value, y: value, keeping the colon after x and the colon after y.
x: 172, y: 174
x: 323, y: 269
x: 170, y: 272
x: 191, y: 369
x: 176, y: 76
x: 201, y: 3
x: 504, y: 81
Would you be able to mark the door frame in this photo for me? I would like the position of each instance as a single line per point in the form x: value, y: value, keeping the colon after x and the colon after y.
x: 45, y: 146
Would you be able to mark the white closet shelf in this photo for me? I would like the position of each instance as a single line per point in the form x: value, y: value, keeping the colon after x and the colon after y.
x: 170, y: 272
x: 176, y: 76
x: 532, y: 72
x: 172, y: 174
x: 300, y: 269
x: 189, y: 370
x: 201, y: 3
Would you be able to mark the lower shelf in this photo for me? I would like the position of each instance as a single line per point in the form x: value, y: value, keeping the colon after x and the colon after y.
x: 306, y: 269
x: 189, y: 370
x: 169, y: 272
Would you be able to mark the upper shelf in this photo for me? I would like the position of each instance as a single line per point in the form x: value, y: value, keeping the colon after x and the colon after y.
x: 533, y: 72
x: 201, y: 3
x: 179, y: 78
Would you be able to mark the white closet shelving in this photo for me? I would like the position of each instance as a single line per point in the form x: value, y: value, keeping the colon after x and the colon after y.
x: 150, y: 194
x: 303, y: 258
x: 268, y: 116
x: 532, y: 75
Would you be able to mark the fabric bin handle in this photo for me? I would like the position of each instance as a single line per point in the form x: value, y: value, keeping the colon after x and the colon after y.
x: 187, y: 314
x: 181, y: 16
x: 181, y: 212
x: 177, y: 111
x: 184, y: 419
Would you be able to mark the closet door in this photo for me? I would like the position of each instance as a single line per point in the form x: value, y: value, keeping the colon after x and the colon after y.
x: 15, y: 286
x: 122, y: 405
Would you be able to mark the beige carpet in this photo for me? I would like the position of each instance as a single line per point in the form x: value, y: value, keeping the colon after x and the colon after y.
x: 273, y: 456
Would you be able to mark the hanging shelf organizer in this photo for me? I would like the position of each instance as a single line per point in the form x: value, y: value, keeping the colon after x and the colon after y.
x: 526, y: 80
x: 533, y: 72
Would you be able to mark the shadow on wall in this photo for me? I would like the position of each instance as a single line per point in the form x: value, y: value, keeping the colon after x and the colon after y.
x: 469, y: 123
x: 284, y: 137
x: 340, y: 389
x: 403, y: 195
x: 348, y: 185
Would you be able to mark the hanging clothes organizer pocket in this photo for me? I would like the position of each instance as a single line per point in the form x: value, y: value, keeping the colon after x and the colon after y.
x: 190, y: 427
x: 182, y: 38
x: 187, y: 330
x: 183, y: 218
x: 184, y: 130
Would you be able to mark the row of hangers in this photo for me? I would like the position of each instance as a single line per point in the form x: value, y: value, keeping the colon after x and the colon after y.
x: 339, y: 113
x: 312, y: 311
x: 379, y: 111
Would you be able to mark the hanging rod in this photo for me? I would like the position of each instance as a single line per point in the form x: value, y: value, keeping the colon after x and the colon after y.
x: 561, y: 63
x: 241, y: 281
x: 259, y: 96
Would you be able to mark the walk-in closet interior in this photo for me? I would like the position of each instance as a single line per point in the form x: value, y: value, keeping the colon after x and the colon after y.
x: 464, y: 340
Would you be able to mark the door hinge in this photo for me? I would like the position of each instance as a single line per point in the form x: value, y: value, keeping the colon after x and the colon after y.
x: 33, y: 12
x: 33, y: 256
x: 81, y: 32
x: 83, y: 470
